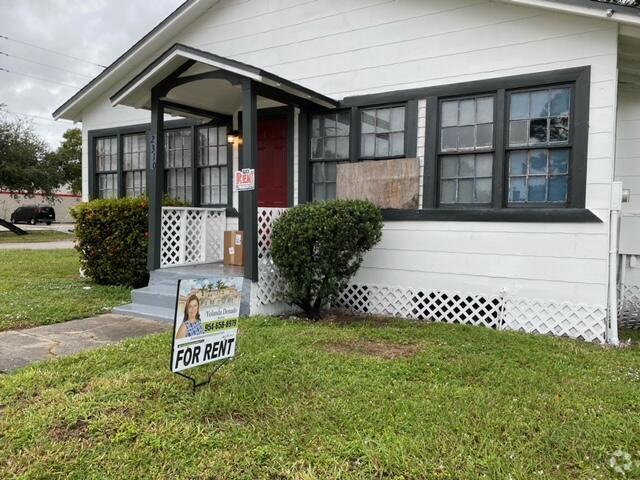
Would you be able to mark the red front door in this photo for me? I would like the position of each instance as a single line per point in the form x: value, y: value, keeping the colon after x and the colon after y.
x: 272, y: 162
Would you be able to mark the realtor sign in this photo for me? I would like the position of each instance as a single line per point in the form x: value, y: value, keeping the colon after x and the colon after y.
x: 206, y: 321
x: 244, y: 180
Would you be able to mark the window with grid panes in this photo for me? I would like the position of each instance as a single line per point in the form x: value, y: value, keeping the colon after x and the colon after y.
x: 382, y: 132
x: 134, y: 162
x: 178, y: 153
x: 213, y: 165
x: 538, y: 149
x: 466, y: 150
x: 329, y: 146
x: 107, y: 166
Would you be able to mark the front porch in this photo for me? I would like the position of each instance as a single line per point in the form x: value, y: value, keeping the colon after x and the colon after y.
x: 217, y: 91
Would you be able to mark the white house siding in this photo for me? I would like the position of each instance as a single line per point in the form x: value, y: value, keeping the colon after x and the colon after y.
x: 628, y: 144
x: 343, y: 48
x: 627, y: 170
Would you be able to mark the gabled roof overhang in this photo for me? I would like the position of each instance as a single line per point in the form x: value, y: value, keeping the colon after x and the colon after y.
x: 137, y: 92
x: 623, y: 14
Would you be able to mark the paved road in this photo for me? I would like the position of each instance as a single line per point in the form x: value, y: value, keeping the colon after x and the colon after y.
x: 19, y: 348
x: 56, y: 227
x: 38, y: 245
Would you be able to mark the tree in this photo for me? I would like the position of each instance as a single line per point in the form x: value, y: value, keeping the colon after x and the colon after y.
x: 68, y: 159
x: 25, y: 163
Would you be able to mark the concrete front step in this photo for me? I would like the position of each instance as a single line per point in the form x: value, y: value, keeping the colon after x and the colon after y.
x: 158, y: 300
x: 164, y: 275
x: 159, y: 294
x: 146, y: 311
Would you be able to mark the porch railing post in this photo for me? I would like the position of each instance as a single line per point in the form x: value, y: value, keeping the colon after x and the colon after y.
x: 155, y: 179
x: 249, y: 199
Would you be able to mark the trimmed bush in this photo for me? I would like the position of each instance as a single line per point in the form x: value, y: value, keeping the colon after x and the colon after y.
x: 112, y: 240
x: 318, y: 247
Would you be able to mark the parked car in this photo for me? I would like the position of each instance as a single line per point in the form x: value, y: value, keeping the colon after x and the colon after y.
x: 33, y: 214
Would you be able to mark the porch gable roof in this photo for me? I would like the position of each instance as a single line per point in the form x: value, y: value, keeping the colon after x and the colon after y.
x: 137, y: 92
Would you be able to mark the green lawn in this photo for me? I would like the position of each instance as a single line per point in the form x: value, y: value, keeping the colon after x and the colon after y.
x: 39, y: 287
x: 359, y: 400
x: 35, y: 236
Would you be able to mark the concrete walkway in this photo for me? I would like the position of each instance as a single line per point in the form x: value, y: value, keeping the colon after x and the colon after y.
x: 38, y: 245
x: 19, y: 348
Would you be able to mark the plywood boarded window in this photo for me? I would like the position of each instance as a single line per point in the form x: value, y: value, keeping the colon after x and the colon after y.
x: 387, y: 183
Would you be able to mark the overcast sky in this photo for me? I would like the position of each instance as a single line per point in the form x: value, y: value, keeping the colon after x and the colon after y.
x: 97, y: 31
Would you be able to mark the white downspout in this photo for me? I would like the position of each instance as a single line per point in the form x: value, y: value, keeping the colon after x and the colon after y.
x: 616, y: 207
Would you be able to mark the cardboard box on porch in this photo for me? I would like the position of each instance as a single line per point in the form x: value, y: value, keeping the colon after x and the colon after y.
x: 234, y: 247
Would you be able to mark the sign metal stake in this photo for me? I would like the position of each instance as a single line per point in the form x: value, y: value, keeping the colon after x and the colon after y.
x: 208, y: 381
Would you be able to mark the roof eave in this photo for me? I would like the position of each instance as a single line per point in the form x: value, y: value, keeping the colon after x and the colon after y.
x: 605, y: 11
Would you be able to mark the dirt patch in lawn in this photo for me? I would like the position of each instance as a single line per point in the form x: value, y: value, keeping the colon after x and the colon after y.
x: 384, y: 350
x: 342, y: 318
x: 66, y: 431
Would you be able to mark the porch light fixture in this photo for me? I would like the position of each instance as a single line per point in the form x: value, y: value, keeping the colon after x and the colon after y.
x: 232, y: 136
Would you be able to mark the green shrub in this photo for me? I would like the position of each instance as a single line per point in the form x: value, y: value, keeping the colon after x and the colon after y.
x: 318, y: 247
x: 112, y: 240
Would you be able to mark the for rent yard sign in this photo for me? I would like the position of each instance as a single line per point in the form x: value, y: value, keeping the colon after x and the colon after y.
x: 205, y: 322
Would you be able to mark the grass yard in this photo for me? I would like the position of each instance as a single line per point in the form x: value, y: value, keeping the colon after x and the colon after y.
x: 35, y: 236
x: 39, y: 287
x: 334, y: 400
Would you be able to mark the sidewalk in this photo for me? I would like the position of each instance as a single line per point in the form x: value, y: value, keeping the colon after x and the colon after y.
x: 38, y: 245
x: 19, y: 348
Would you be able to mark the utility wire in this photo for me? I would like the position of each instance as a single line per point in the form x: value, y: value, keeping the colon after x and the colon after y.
x: 38, y: 78
x: 37, y: 117
x: 52, y: 51
x: 44, y: 64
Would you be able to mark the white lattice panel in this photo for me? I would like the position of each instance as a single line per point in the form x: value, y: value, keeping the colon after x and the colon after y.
x: 170, y: 238
x: 587, y: 322
x: 216, y: 223
x: 528, y: 315
x: 629, y: 309
x: 432, y: 305
x: 270, y: 286
x: 191, y: 235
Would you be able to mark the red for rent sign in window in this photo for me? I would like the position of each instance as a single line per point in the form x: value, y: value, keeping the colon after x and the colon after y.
x: 245, y: 179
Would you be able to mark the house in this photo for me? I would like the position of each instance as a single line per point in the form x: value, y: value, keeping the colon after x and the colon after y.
x: 509, y: 128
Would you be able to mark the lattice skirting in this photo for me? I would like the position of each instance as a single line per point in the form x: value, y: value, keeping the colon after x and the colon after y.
x: 505, y: 313
x: 629, y: 309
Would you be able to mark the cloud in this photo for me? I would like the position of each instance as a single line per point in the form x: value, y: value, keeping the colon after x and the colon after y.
x: 98, y: 31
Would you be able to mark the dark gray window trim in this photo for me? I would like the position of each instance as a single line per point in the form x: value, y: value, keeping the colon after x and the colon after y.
x: 196, y: 174
x: 575, y: 212
x: 145, y: 128
x: 551, y: 215
x: 579, y: 78
x: 304, y: 139
x: 440, y: 153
